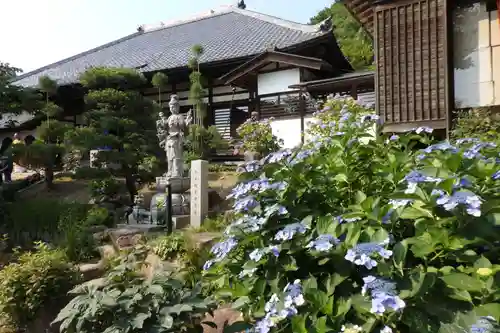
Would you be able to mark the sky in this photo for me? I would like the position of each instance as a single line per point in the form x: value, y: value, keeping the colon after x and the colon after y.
x: 35, y: 33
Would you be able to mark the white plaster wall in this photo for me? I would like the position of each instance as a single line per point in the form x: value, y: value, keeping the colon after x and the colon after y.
x: 476, y: 56
x: 275, y: 82
x: 289, y: 130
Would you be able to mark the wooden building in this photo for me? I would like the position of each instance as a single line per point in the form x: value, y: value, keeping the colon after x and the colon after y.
x: 432, y: 57
x: 250, y: 59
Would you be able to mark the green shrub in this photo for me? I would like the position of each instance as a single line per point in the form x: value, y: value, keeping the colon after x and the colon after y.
x: 169, y: 246
x: 34, y: 220
x: 75, y: 236
x: 91, y: 173
x: 99, y: 216
x: 215, y: 224
x: 356, y: 232
x: 481, y: 123
x: 257, y: 136
x: 39, y: 279
x: 201, y: 140
x: 107, y: 187
x: 128, y: 303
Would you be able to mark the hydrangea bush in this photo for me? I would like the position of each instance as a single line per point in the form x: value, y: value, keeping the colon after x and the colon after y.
x: 258, y: 137
x: 360, y: 232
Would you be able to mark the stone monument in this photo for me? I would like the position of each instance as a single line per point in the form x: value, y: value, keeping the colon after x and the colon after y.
x: 199, y: 192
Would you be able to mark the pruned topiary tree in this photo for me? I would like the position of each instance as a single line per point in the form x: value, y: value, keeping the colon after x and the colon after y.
x: 45, y: 152
x: 121, y: 122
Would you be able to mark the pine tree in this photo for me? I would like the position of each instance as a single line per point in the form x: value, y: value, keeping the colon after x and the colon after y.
x: 121, y: 122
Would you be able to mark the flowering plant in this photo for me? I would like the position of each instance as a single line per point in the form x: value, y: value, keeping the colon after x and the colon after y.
x: 257, y: 136
x: 353, y: 235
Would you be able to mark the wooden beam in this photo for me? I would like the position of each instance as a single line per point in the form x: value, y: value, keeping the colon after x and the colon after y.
x: 250, y: 67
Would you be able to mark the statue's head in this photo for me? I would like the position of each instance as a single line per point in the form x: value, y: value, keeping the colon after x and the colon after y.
x: 161, y: 114
x: 174, y: 104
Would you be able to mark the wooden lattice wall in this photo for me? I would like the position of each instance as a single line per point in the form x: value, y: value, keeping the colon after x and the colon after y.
x: 411, y: 51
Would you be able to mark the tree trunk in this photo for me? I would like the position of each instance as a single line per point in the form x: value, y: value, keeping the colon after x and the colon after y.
x: 129, y: 181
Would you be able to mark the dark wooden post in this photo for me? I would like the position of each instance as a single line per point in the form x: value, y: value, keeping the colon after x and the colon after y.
x: 302, y: 112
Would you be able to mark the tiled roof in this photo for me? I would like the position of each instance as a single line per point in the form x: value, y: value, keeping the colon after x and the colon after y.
x: 228, y: 34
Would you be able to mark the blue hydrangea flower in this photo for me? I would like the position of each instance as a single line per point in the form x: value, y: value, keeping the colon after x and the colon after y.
x: 424, y: 129
x: 363, y: 254
x: 247, y: 272
x: 275, y: 209
x: 471, y: 201
x: 275, y: 313
x: 290, y: 230
x: 279, y: 156
x: 251, y: 166
x: 245, y: 204
x: 323, y: 243
x: 415, y: 177
x: 386, y: 329
x: 300, y: 156
x: 398, y: 203
x: 474, y: 151
x: 394, y: 137
x: 246, y: 223
x: 383, y: 293
x: 220, y: 251
x: 387, y: 217
x: 442, y: 146
x: 485, y: 325
x: 243, y: 190
x: 369, y: 117
x: 496, y: 176
x: 466, y: 140
x: 341, y: 219
x: 294, y: 294
x: 257, y: 254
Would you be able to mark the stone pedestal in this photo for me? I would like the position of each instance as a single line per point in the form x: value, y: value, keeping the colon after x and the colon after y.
x: 199, y: 192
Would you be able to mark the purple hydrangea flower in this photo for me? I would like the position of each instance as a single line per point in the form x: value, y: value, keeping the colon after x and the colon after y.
x: 383, y: 293
x: 398, y: 203
x: 246, y: 223
x: 424, y: 129
x: 247, y: 272
x: 220, y: 251
x: 415, y: 177
x: 294, y: 294
x: 279, y: 156
x: 290, y: 230
x: 257, y: 254
x: 485, y: 325
x: 496, y: 176
x: 275, y: 209
x: 471, y: 201
x: 276, y: 313
x: 323, y: 243
x: 245, y: 204
x: 394, y: 137
x: 363, y: 254
x: 443, y: 146
x: 341, y: 219
x: 243, y: 190
x: 386, y: 329
x: 466, y: 140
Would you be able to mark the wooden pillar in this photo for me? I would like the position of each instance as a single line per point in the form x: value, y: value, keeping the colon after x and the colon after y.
x: 354, y: 91
x: 210, y: 118
x: 302, y: 112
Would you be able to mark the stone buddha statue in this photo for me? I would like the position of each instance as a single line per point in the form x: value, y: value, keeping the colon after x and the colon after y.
x: 170, y: 132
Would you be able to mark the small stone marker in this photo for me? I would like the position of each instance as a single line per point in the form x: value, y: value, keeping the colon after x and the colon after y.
x: 199, y: 192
